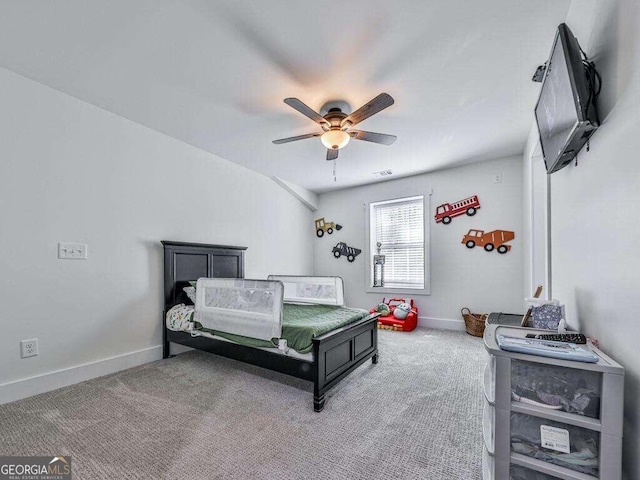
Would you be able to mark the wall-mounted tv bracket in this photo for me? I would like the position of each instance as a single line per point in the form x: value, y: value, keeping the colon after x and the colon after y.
x: 539, y: 75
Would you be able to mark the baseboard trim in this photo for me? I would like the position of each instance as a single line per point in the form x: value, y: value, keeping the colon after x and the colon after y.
x: 26, y: 387
x: 441, y: 323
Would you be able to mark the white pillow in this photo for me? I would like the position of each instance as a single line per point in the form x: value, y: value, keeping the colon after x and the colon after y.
x: 191, y: 293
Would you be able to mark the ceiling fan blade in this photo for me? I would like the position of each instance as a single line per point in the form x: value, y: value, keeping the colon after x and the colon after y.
x: 332, y: 154
x: 379, y: 103
x: 382, y: 138
x: 306, y: 111
x: 293, y: 139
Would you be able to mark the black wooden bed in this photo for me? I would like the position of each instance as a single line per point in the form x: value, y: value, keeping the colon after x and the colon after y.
x: 335, y: 354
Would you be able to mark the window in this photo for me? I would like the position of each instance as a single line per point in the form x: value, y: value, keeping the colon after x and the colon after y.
x: 400, y: 228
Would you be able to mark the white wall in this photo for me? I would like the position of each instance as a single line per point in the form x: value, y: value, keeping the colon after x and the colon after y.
x: 594, y: 227
x: 74, y: 172
x: 459, y: 277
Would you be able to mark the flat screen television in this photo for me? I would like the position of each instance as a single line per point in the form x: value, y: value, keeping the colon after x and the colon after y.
x: 566, y: 112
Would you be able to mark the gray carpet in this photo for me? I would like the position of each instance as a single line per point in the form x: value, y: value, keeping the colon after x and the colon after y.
x: 415, y: 415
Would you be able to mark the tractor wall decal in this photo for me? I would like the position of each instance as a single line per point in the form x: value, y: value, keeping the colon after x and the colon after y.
x: 495, y: 239
x: 328, y: 227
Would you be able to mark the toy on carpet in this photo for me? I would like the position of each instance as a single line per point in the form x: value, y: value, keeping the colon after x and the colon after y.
x: 401, y: 311
x: 400, y: 315
x: 383, y: 309
x: 390, y: 327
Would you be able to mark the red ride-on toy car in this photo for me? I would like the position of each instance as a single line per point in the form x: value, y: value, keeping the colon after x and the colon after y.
x: 390, y: 322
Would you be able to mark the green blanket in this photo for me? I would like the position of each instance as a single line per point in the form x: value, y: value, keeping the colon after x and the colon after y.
x: 300, y: 324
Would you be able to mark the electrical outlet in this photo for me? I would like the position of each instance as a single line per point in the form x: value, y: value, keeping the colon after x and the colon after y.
x: 72, y: 251
x: 497, y: 177
x: 29, y: 348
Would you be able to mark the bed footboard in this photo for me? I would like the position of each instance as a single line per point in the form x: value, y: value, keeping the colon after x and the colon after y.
x: 341, y: 351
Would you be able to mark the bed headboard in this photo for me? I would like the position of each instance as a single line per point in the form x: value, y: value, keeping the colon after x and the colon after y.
x: 184, y: 262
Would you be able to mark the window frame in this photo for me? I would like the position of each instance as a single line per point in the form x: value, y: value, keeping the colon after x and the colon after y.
x: 368, y: 278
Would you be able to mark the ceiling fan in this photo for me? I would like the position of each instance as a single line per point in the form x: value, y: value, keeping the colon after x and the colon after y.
x: 336, y: 124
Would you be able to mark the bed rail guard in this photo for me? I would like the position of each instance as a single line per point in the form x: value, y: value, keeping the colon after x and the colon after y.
x: 314, y: 290
x: 251, y: 308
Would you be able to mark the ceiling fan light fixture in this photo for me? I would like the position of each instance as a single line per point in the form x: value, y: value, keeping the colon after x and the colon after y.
x: 335, y: 139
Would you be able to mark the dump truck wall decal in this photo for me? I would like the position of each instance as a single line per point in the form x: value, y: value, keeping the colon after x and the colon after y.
x: 342, y: 248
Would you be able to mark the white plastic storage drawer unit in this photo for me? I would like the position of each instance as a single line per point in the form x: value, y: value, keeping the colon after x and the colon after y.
x: 547, y: 418
x: 522, y: 473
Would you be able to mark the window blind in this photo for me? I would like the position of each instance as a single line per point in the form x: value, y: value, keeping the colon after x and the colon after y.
x: 399, y: 226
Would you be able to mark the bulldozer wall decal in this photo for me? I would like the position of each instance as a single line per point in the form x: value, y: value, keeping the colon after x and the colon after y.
x: 495, y: 239
x: 323, y: 227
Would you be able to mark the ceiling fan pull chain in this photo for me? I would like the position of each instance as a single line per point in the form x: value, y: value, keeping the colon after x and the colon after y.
x: 335, y: 179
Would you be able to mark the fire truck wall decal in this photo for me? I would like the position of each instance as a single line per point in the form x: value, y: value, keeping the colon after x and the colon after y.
x: 495, y: 239
x: 342, y: 248
x: 328, y: 227
x: 446, y: 211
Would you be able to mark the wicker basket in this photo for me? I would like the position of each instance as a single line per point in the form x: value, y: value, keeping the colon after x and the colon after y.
x: 474, y: 322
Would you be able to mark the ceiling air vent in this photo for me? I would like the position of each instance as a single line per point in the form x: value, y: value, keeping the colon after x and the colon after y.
x: 382, y: 173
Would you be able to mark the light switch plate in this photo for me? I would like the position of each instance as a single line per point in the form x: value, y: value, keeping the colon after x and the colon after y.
x: 72, y: 251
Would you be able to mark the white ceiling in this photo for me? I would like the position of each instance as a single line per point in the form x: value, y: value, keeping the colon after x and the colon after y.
x: 213, y: 73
